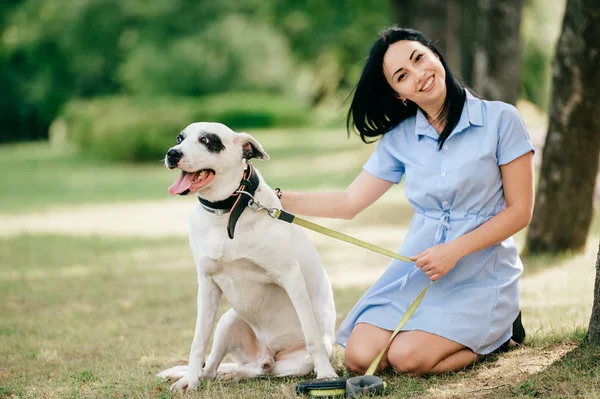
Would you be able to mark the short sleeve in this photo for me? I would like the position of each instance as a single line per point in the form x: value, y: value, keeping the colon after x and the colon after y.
x: 513, y: 139
x: 383, y: 164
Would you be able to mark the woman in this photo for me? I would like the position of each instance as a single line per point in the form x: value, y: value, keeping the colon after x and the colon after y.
x: 468, y: 167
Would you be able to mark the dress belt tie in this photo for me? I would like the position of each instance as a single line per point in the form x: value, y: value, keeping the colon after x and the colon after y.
x: 443, y: 228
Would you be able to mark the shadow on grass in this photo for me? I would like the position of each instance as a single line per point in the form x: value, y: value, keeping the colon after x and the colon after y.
x: 576, y: 374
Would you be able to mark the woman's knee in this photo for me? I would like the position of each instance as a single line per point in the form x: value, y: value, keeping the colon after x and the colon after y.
x: 364, y: 345
x: 407, y: 359
x: 360, y: 357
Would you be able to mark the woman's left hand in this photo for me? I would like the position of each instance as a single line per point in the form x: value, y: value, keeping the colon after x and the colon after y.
x: 438, y: 260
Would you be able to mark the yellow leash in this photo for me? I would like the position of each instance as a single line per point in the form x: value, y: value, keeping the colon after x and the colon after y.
x: 282, y: 215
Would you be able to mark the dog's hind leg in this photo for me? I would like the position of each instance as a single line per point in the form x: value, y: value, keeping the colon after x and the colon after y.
x: 174, y: 373
x: 235, y: 337
x: 296, y: 363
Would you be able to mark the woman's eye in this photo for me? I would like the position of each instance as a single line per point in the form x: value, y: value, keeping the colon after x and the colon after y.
x: 401, y: 77
x: 418, y: 57
x: 203, y: 140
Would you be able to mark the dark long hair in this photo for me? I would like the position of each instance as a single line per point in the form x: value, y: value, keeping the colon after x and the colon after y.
x: 375, y: 108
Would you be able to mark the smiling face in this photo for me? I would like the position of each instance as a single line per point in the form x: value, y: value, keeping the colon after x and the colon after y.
x: 415, y: 73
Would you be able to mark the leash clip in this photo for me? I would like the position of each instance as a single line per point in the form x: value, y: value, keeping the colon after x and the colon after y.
x: 257, y: 206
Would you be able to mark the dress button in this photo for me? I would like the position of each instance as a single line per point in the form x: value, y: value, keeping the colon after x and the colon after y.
x: 443, y: 174
x: 445, y: 147
x: 445, y: 203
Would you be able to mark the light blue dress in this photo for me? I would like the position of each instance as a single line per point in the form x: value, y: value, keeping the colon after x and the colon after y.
x: 452, y: 191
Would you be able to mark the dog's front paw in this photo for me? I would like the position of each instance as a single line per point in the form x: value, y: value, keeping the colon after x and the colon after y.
x: 326, y: 372
x: 185, y: 384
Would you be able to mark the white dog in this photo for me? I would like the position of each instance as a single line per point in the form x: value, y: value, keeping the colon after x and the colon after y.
x: 282, y: 318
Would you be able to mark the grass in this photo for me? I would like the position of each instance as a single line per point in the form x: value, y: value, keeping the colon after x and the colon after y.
x: 88, y: 317
x: 98, y: 316
x: 41, y: 176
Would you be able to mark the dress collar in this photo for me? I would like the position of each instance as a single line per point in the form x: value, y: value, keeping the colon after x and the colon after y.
x: 471, y: 115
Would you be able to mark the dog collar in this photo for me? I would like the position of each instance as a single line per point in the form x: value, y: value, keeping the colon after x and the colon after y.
x: 234, y: 205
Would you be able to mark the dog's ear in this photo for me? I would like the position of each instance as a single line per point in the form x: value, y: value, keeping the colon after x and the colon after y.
x: 251, y: 148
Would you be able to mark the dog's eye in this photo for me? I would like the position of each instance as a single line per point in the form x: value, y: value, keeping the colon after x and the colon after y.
x: 204, y: 140
x: 179, y: 139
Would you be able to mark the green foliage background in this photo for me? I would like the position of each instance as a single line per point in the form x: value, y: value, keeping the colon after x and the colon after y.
x: 81, y: 60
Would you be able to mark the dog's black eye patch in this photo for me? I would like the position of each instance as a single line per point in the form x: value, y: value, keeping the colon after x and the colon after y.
x: 212, y: 142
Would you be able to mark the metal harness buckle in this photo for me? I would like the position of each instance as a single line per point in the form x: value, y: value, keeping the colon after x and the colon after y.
x: 257, y: 206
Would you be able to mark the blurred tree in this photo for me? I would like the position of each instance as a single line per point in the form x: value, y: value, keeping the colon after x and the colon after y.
x: 593, y: 334
x: 34, y: 76
x: 467, y: 34
x: 540, y: 29
x: 327, y: 39
x: 564, y: 201
x: 231, y: 53
x: 497, y: 56
x: 93, y: 38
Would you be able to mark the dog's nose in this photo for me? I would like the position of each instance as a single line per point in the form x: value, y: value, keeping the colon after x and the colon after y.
x: 173, y: 157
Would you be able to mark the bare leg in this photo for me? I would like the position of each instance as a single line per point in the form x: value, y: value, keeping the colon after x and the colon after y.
x: 456, y: 361
x: 406, y: 353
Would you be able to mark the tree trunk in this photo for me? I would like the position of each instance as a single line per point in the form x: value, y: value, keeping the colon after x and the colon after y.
x: 470, y: 14
x: 564, y: 201
x: 497, y: 61
x: 593, y: 334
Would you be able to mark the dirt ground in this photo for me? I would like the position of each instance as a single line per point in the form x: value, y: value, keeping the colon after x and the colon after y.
x: 508, y: 370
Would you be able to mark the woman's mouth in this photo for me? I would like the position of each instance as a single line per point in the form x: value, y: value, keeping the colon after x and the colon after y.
x: 428, y: 85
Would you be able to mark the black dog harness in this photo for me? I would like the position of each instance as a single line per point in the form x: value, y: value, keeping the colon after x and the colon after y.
x: 235, y: 204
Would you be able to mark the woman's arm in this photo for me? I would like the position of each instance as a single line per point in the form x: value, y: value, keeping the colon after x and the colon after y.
x: 361, y: 193
x: 517, y: 178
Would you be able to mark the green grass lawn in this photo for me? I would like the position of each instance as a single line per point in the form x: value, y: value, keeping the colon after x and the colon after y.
x: 99, y: 316
x: 39, y: 176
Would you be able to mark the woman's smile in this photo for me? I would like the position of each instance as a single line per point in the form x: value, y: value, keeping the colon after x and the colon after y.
x: 416, y: 73
x: 428, y: 85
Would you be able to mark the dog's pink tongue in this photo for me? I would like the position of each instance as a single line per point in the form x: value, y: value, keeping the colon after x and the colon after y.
x: 182, y: 183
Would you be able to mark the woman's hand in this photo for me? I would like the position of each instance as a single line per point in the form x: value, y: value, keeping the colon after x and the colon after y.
x: 438, y: 260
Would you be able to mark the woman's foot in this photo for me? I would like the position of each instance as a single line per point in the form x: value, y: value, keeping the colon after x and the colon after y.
x: 518, y: 336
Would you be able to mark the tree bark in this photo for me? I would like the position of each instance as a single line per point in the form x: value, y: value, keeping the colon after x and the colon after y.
x: 564, y: 201
x: 469, y: 29
x: 593, y: 334
x: 497, y: 62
